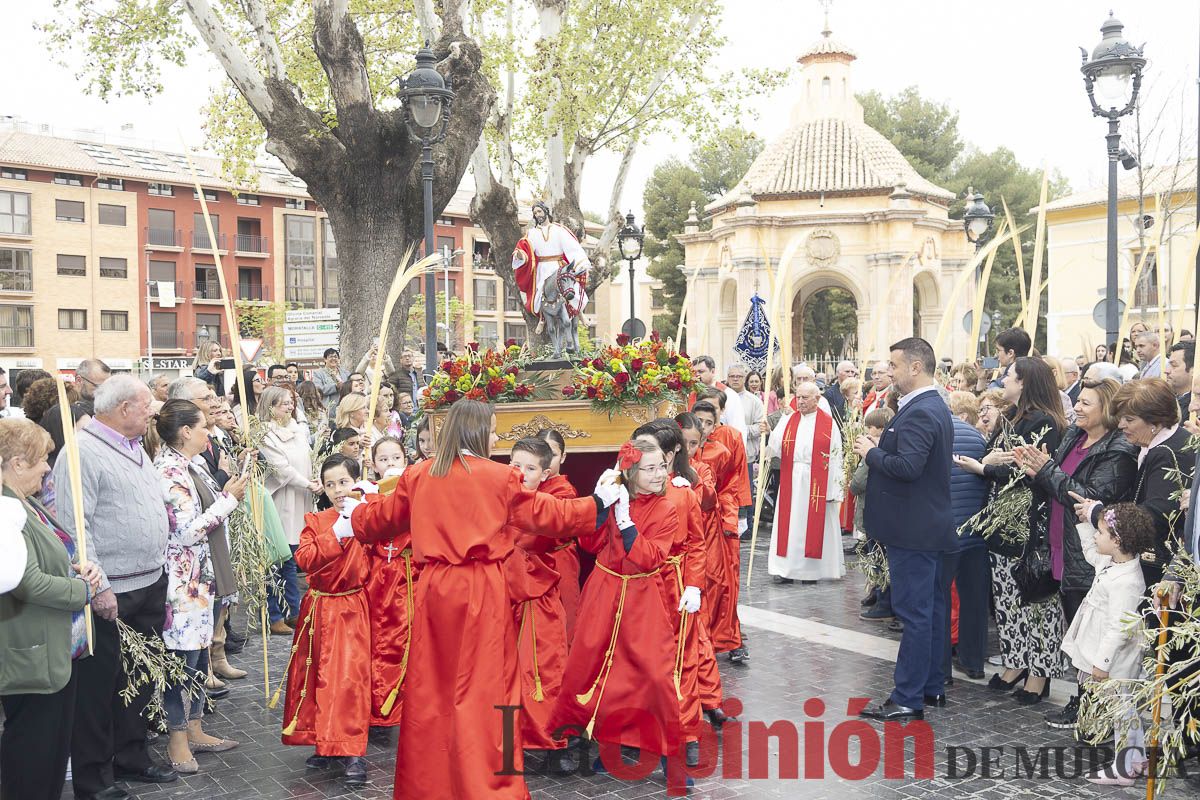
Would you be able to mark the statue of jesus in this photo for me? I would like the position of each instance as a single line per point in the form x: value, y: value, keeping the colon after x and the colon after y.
x: 547, y: 248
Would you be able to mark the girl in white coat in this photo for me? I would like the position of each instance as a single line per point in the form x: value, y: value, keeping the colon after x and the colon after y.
x: 1104, y: 641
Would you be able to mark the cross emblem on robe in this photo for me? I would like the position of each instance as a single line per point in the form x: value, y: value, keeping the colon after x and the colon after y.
x: 817, y: 497
x: 391, y: 550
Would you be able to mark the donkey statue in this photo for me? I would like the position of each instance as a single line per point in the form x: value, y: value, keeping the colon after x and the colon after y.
x: 560, y: 325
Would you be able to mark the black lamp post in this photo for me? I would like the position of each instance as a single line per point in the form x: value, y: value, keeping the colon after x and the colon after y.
x: 977, y: 222
x: 630, y: 239
x: 425, y: 100
x: 1114, y: 73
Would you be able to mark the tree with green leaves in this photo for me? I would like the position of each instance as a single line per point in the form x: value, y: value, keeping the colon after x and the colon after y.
x: 311, y: 81
x: 926, y: 133
x: 715, y: 167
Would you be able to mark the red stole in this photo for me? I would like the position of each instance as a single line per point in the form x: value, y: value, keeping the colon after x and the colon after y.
x: 819, y: 480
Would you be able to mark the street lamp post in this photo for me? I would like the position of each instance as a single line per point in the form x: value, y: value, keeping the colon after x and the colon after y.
x: 425, y: 100
x: 630, y: 239
x: 977, y: 222
x: 1114, y: 72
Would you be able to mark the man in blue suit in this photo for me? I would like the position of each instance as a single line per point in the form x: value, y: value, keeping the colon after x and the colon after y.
x: 908, y: 511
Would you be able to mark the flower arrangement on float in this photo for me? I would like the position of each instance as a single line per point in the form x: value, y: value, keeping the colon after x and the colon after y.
x: 642, y: 373
x: 492, y: 376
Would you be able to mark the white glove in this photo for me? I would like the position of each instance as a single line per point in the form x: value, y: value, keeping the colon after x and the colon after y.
x: 621, y: 513
x: 681, y: 482
x: 607, y: 488
x: 690, y: 601
x: 348, y: 506
x: 393, y: 472
x: 343, y: 528
x: 366, y: 487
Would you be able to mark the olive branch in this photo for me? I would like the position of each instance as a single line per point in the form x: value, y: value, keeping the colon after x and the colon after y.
x: 148, y: 662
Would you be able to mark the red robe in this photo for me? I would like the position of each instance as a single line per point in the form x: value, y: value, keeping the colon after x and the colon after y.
x: 633, y: 701
x: 685, y: 567
x: 708, y: 676
x: 565, y: 556
x: 720, y: 599
x: 329, y: 675
x: 541, y: 644
x: 391, y: 595
x: 463, y: 660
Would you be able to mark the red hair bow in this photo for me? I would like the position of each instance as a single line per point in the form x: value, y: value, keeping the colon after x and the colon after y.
x: 628, y: 455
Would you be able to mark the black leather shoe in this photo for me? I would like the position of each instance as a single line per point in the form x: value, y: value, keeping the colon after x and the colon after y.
x: 738, y: 655
x: 151, y: 774
x: 317, y: 762
x: 890, y: 712
x: 355, y: 770
x: 936, y: 700
x: 948, y: 680
x: 781, y: 580
x: 217, y: 694
x: 716, y: 717
x: 808, y: 583
x: 109, y: 793
x: 234, y: 646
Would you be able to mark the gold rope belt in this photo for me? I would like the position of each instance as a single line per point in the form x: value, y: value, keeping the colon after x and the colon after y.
x: 310, y: 626
x: 563, y: 546
x: 606, y: 667
x: 527, y: 614
x: 386, y: 708
x: 676, y: 562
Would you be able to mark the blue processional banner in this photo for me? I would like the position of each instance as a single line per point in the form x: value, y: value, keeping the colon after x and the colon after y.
x: 751, y: 343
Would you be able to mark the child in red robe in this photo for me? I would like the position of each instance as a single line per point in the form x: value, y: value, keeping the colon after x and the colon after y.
x: 721, y: 611
x: 565, y: 555
x: 618, y: 688
x: 390, y: 593
x: 328, y: 701
x: 540, y: 619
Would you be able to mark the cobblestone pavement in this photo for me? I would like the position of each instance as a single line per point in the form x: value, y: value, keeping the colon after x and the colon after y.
x: 787, y: 667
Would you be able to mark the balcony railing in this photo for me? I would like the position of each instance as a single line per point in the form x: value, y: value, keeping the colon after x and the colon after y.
x: 166, y: 340
x: 253, y: 291
x: 200, y: 241
x: 179, y: 289
x: 163, y: 237
x: 304, y: 295
x: 250, y: 243
x: 208, y: 290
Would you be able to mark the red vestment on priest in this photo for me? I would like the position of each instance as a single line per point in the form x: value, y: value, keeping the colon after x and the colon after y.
x: 329, y: 675
x: 617, y: 683
x: 462, y: 666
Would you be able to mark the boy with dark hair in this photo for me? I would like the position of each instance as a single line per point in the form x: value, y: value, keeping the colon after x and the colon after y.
x: 1011, y: 344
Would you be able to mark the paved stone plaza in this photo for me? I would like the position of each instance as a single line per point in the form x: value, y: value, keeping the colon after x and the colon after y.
x: 805, y: 642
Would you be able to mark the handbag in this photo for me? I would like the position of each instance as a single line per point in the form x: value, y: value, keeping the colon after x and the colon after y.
x: 1033, y: 574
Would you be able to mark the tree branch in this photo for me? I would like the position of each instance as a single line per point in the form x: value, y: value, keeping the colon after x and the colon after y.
x: 609, y: 234
x: 338, y: 45
x: 268, y: 44
x: 427, y: 19
x: 248, y: 80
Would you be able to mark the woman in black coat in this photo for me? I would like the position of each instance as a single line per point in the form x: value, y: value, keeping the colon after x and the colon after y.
x: 1030, y: 635
x: 1093, y: 460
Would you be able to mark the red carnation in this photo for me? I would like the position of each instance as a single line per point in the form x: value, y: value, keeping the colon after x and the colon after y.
x: 513, y: 370
x: 509, y: 342
x: 674, y: 385
x: 568, y: 391
x: 621, y: 378
x: 521, y: 390
x: 622, y: 339
x: 494, y: 387
x: 447, y: 366
x: 474, y: 347
x: 636, y: 364
x: 450, y: 396
x: 591, y: 391
x: 597, y: 364
x: 476, y: 369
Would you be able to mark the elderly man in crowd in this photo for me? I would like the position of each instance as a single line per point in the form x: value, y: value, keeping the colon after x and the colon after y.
x: 833, y: 392
x: 407, y: 379
x: 89, y: 375
x: 126, y: 522
x: 881, y: 387
x: 802, y: 373
x: 1074, y: 384
x: 1104, y: 370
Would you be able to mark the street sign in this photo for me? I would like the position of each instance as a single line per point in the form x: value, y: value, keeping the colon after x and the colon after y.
x: 985, y: 323
x: 309, y: 332
x: 634, y: 328
x: 250, y: 348
x: 1098, y: 315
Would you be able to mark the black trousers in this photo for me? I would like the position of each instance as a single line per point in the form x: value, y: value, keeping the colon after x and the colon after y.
x: 36, y: 742
x: 107, y: 731
x: 974, y: 581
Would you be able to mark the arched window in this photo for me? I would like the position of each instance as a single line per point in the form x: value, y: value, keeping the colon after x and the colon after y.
x: 826, y: 88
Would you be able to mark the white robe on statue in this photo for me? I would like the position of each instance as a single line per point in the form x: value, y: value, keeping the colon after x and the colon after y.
x: 552, y: 246
x: 832, y: 563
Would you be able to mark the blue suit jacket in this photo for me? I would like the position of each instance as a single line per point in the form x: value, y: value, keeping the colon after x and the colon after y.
x: 908, y: 484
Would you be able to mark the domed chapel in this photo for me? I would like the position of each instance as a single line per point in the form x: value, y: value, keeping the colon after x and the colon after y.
x: 874, y: 255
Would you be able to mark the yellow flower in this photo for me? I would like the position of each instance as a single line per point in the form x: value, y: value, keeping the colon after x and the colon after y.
x: 616, y: 365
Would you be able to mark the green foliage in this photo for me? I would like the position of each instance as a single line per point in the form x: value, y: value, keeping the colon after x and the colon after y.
x: 414, y: 333
x: 830, y: 317
x: 717, y: 164
x: 926, y: 132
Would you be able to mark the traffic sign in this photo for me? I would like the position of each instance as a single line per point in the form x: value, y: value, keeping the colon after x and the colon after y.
x: 314, y: 314
x: 309, y: 332
x: 303, y: 353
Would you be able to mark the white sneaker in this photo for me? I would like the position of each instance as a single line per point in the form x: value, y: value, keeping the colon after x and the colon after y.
x: 996, y: 661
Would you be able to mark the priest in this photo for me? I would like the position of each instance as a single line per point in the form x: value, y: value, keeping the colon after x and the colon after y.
x: 806, y: 535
